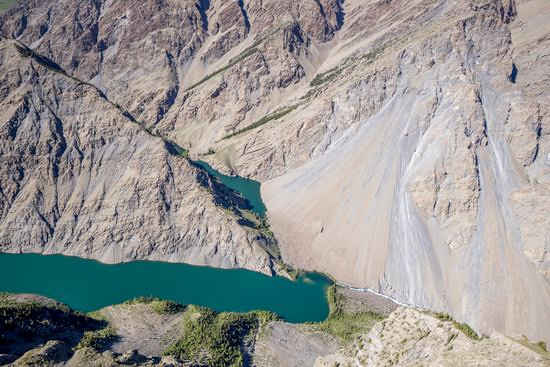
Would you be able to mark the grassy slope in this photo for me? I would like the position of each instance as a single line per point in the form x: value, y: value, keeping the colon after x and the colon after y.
x: 217, y: 339
x: 346, y: 326
x: 6, y: 4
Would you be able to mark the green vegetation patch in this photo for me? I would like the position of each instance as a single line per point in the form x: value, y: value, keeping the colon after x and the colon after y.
x: 241, y: 57
x: 217, y: 339
x: 465, y: 328
x: 35, y: 317
x: 174, y: 148
x: 539, y: 347
x: 97, y: 339
x: 334, y: 72
x: 264, y: 120
x: 6, y: 4
x: 325, y: 77
x: 159, y: 306
x: 346, y: 326
x: 542, y: 345
x: 33, y: 322
x: 245, y: 54
x: 163, y: 307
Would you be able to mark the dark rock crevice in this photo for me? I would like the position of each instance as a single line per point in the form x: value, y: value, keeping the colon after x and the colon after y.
x: 202, y: 7
x: 513, y: 73
x: 245, y: 15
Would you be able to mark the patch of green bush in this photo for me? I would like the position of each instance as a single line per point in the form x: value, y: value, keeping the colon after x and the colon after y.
x: 443, y: 316
x: 348, y: 326
x: 163, y: 307
x: 140, y: 299
x: 6, y: 4
x: 325, y: 77
x: 37, y: 320
x: 542, y: 345
x: 264, y: 120
x: 32, y: 315
x: 465, y: 328
x: 245, y: 54
x: 159, y: 306
x: 216, y: 339
x: 345, y: 326
x: 242, y: 56
x: 291, y: 271
x: 97, y: 339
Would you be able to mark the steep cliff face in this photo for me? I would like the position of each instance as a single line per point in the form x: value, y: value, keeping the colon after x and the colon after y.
x: 80, y: 178
x: 403, y: 145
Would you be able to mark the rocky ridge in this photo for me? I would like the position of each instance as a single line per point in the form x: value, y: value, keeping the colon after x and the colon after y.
x: 141, y: 332
x: 409, y: 337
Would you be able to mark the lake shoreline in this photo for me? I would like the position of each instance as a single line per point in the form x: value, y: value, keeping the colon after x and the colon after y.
x: 87, y: 285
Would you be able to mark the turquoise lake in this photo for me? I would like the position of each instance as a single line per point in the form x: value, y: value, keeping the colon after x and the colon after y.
x: 88, y: 285
x: 248, y: 188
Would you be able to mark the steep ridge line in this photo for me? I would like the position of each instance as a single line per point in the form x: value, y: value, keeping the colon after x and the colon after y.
x: 227, y: 198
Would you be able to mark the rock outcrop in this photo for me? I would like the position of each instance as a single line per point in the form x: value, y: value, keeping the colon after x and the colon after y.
x: 409, y: 337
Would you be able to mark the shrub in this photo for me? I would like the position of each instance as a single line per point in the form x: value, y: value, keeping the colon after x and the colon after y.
x: 245, y: 54
x: 542, y: 345
x: 467, y: 330
x: 214, y: 338
x: 443, y: 316
x: 163, y: 307
x: 264, y: 120
x: 327, y: 76
x: 343, y: 325
x: 97, y: 339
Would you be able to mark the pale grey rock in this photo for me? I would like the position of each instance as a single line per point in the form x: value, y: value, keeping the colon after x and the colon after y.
x: 409, y: 337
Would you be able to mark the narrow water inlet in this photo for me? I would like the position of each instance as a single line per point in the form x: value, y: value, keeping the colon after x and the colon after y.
x: 249, y: 189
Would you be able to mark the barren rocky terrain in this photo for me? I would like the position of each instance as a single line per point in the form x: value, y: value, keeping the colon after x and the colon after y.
x: 409, y: 337
x: 402, y: 146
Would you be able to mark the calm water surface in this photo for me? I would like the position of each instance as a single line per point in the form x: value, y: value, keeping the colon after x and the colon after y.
x: 249, y: 189
x: 88, y: 285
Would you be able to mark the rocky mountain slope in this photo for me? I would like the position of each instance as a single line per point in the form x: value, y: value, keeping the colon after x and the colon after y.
x: 402, y: 145
x: 409, y: 337
x: 79, y: 177
x: 435, y: 184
